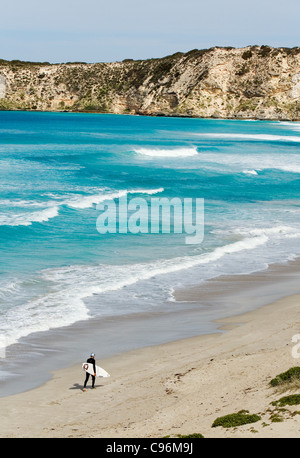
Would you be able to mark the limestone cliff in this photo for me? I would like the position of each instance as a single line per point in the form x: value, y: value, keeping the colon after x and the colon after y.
x: 252, y: 82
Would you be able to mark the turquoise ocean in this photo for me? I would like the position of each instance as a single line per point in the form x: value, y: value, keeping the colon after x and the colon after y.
x: 56, y: 269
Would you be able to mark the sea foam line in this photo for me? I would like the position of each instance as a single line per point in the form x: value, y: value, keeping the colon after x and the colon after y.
x: 65, y: 306
x: 260, y: 137
x: 169, y: 153
x: 252, y: 163
x: 89, y: 200
x: 26, y: 219
x: 78, y: 202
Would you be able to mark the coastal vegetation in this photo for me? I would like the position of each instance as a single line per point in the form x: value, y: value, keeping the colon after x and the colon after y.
x: 236, y: 419
x: 291, y: 400
x: 279, y: 409
x: 287, y: 379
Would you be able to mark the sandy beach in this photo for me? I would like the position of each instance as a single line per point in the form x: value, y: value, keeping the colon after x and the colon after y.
x: 171, y: 389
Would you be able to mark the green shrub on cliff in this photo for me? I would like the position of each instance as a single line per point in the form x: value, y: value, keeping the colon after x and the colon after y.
x: 247, y: 55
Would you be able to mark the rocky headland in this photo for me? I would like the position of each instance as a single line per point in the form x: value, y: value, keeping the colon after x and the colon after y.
x: 256, y: 82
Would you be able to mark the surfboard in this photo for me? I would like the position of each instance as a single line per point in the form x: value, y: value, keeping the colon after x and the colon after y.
x: 100, y: 372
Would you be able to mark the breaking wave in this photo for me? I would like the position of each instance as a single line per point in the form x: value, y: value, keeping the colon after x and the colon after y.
x: 77, y: 202
x: 177, y: 152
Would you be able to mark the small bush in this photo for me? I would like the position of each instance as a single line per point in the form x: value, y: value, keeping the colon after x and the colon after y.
x: 291, y: 400
x: 236, y: 419
x: 276, y: 418
x: 286, y: 377
x: 264, y: 51
x: 191, y: 436
x: 187, y: 436
x: 247, y: 55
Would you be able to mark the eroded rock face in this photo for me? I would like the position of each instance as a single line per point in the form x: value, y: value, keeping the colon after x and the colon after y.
x: 252, y: 82
x: 2, y: 87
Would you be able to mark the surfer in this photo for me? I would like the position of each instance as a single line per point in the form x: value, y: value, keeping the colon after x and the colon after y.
x: 92, y: 361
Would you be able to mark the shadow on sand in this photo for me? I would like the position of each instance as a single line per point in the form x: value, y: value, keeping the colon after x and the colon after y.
x: 77, y: 386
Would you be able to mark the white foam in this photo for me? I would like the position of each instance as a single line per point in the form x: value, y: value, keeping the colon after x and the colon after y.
x: 78, y: 202
x: 170, y: 153
x: 289, y: 168
x: 250, y: 163
x: 9, y: 288
x: 250, y: 172
x: 280, y: 230
x: 259, y: 137
x: 24, y: 203
x: 42, y: 314
x: 27, y: 218
x: 89, y: 200
x: 292, y: 125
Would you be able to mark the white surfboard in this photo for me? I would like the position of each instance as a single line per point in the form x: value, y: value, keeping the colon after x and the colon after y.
x: 87, y: 367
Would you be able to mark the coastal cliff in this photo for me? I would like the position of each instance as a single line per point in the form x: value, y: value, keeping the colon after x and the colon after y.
x: 254, y: 82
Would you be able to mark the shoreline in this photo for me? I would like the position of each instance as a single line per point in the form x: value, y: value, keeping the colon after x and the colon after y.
x: 157, y: 115
x: 196, y: 311
x: 174, y: 388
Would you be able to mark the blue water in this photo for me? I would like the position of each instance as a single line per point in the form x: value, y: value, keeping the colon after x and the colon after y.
x: 56, y: 268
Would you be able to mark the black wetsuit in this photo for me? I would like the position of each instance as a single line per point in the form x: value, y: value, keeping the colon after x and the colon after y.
x: 90, y: 361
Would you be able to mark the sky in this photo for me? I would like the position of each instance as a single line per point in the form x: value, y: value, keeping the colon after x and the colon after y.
x: 114, y: 30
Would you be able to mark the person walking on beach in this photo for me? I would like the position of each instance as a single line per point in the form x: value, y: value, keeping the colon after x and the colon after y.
x: 92, y: 361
